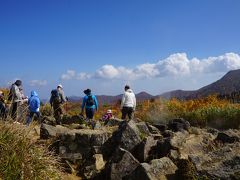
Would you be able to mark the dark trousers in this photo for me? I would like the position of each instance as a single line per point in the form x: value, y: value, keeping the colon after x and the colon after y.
x: 14, y: 110
x: 89, y: 113
x: 127, y: 111
x: 57, y: 113
x: 30, y: 117
x: 3, y: 111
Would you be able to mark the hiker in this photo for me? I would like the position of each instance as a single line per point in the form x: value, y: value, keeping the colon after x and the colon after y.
x: 21, y: 106
x: 34, y: 107
x: 128, y: 104
x: 90, y: 104
x: 106, y: 117
x: 15, y: 98
x: 57, y: 99
x: 3, y: 108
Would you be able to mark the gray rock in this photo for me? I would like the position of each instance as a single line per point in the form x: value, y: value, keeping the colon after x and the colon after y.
x: 94, y: 167
x: 130, y: 135
x: 86, y: 142
x: 72, y: 119
x: 213, y: 131
x: 122, y: 164
x: 155, y: 170
x: 160, y: 127
x: 228, y: 136
x: 220, y: 163
x: 143, y: 128
x: 178, y: 125
x: 144, y: 151
x: 114, y: 122
x: 50, y: 120
x: 178, y: 139
x: 97, y: 125
x: 49, y: 131
x: 153, y: 129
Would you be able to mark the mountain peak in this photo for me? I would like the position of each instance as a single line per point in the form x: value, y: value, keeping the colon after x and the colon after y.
x: 229, y: 83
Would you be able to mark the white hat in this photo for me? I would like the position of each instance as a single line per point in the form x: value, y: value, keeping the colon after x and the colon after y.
x: 109, y: 111
x: 60, y: 86
x: 1, y: 93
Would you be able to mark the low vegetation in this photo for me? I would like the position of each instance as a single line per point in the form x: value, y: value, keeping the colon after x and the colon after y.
x: 209, y: 111
x: 21, y: 158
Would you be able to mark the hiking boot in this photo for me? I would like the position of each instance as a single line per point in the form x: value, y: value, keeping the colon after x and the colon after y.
x: 93, y: 124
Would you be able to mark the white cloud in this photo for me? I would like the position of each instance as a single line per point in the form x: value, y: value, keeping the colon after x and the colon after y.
x: 71, y: 74
x: 175, y: 65
x: 38, y: 83
x: 82, y: 76
x: 108, y: 72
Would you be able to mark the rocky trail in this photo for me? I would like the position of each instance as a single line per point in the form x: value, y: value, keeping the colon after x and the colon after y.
x: 138, y: 150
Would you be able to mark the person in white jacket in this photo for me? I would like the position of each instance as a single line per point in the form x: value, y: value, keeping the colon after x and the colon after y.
x: 15, y: 98
x: 128, y: 104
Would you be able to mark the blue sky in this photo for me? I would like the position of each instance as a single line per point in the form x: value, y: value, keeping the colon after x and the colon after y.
x: 154, y: 46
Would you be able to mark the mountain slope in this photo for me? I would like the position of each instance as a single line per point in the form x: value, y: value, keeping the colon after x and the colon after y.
x: 229, y: 83
x: 104, y: 99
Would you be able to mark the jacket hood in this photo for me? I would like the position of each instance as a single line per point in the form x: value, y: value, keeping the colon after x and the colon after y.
x: 129, y: 91
x: 34, y: 93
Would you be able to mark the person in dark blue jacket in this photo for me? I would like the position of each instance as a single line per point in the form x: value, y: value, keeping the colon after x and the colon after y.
x: 34, y: 107
x: 90, y: 104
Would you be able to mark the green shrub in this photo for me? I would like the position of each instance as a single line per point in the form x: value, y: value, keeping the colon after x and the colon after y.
x: 46, y: 110
x: 22, y: 159
x: 220, y: 115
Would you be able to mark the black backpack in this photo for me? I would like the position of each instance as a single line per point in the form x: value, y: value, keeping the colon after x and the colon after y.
x: 55, y: 96
x: 90, y: 101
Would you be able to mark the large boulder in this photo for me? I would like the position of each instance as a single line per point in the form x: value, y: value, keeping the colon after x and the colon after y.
x: 178, y: 124
x: 114, y: 122
x: 220, y: 163
x: 160, y: 126
x: 131, y: 135
x: 178, y: 139
x: 155, y: 170
x: 92, y: 168
x: 49, y: 131
x: 72, y: 119
x: 122, y: 164
x: 153, y: 129
x: 50, y: 120
x: 81, y: 143
x: 144, y: 151
x: 128, y: 136
x: 229, y: 136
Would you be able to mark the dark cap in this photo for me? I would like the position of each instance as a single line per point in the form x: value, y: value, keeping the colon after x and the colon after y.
x: 87, y: 91
x: 127, y: 87
x: 18, y: 82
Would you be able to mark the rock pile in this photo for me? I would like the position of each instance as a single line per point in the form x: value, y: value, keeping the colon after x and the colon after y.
x: 137, y: 150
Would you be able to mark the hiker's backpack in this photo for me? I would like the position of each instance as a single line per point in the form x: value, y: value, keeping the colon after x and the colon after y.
x: 90, y: 101
x: 55, y: 96
x: 10, y: 94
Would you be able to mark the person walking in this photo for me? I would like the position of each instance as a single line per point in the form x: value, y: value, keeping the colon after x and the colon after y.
x: 21, y: 106
x: 90, y: 104
x: 3, y: 108
x: 34, y: 107
x: 57, y: 100
x: 15, y: 98
x: 128, y: 103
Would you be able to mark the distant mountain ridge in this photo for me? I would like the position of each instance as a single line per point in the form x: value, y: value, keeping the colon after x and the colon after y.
x: 229, y: 83
x: 104, y: 99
